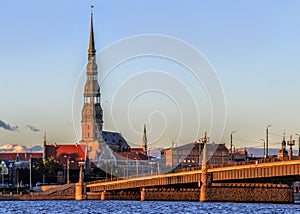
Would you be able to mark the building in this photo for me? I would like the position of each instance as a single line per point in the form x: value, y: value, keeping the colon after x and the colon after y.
x: 18, y: 165
x: 100, y: 144
x: 106, y: 150
x: 190, y: 155
x: 240, y: 155
x: 127, y: 162
x: 68, y: 157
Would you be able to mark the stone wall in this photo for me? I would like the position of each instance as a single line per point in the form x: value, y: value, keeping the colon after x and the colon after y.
x: 256, y: 193
x: 93, y: 196
x: 172, y: 194
x: 62, y: 192
x: 121, y: 195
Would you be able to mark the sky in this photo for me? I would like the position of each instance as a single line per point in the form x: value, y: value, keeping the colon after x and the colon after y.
x: 252, y: 46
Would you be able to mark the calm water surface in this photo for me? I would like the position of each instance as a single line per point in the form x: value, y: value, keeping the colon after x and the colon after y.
x: 123, y: 207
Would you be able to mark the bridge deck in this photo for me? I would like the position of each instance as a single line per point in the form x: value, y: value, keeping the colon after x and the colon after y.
x: 275, y: 170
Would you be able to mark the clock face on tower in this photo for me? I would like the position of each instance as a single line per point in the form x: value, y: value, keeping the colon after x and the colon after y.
x: 88, y: 112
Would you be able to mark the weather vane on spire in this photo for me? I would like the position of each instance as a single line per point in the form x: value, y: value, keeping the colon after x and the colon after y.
x: 91, y: 6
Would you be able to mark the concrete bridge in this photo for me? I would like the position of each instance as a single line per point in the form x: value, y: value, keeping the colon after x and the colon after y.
x: 262, y: 182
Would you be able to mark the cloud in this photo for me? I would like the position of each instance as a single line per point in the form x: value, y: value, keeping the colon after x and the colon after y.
x: 8, y: 127
x: 19, y: 148
x: 32, y: 128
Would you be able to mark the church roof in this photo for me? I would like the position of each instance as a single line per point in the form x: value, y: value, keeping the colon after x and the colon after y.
x: 131, y: 156
x: 113, y: 138
x: 75, y: 152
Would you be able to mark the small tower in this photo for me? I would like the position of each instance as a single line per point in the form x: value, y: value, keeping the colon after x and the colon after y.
x: 282, y: 152
x: 144, y: 141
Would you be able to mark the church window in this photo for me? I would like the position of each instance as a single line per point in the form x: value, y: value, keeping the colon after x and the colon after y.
x: 88, y: 127
x: 88, y: 134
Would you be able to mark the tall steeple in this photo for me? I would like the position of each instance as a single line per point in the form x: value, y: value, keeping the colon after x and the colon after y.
x: 92, y: 50
x: 144, y: 141
x: 92, y: 115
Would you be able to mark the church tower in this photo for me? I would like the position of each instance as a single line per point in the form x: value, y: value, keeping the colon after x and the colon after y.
x: 92, y: 115
x: 144, y: 141
x: 282, y: 152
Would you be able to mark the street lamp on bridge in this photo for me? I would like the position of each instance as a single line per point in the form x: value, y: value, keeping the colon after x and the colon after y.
x: 299, y: 144
x: 267, y: 140
x: 264, y: 147
x: 137, y: 167
x: 231, y: 137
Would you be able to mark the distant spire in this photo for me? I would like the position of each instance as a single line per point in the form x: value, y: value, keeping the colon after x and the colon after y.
x: 45, y: 139
x: 92, y: 50
x: 144, y: 141
x: 283, y: 143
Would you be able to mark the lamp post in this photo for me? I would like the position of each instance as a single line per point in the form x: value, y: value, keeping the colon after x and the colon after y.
x: 30, y: 171
x: 68, y: 168
x: 111, y: 171
x: 264, y: 147
x: 137, y: 167
x: 17, y: 181
x: 231, y: 137
x: 127, y: 167
x: 299, y: 144
x: 267, y: 141
x: 64, y: 172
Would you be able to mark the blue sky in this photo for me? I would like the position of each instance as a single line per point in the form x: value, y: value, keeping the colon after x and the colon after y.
x: 253, y: 46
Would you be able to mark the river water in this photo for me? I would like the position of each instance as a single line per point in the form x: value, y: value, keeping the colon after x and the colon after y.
x: 7, y: 207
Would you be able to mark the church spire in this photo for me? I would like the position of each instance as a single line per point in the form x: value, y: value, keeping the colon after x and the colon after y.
x: 144, y: 141
x: 92, y: 50
x: 92, y: 114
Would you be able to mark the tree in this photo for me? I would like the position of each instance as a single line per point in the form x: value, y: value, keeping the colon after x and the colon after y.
x: 51, y: 167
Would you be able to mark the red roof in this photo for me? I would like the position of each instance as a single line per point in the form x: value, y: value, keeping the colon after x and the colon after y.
x: 23, y: 156
x: 75, y: 153
x: 140, y: 150
x: 131, y: 156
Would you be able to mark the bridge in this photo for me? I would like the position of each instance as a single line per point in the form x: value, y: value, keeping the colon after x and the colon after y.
x: 272, y: 181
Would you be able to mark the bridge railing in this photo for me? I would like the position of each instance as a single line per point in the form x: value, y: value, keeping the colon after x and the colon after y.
x: 210, y: 166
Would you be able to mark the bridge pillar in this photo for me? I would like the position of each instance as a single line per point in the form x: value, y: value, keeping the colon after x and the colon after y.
x: 80, y: 191
x: 204, y: 171
x: 80, y: 187
x: 103, y: 195
x: 143, y: 194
